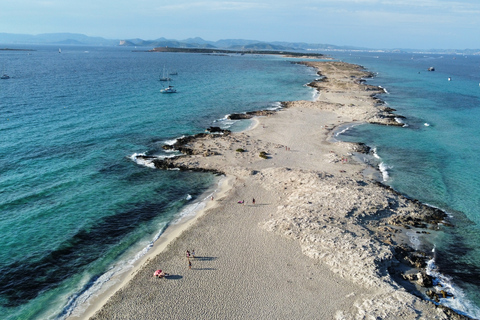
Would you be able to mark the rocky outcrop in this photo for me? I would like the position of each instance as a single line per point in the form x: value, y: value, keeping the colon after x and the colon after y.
x: 250, y: 114
x: 172, y: 164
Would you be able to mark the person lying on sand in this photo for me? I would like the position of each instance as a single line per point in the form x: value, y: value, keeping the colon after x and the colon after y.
x: 160, y: 274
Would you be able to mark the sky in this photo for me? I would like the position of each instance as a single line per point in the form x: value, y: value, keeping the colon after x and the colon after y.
x: 381, y: 24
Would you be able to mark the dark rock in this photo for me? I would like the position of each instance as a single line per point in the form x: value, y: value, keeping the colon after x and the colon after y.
x: 362, y: 148
x: 170, y: 164
x: 251, y: 114
x: 214, y: 129
x: 424, y: 280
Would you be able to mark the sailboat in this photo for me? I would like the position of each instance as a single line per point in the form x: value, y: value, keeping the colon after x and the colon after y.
x: 164, y: 76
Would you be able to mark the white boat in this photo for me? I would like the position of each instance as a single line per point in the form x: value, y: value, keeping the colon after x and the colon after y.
x: 168, y: 89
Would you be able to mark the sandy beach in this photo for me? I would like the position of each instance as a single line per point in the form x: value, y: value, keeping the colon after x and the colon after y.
x: 323, y: 239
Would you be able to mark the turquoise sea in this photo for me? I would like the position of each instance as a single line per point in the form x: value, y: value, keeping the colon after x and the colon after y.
x: 435, y: 156
x: 75, y: 206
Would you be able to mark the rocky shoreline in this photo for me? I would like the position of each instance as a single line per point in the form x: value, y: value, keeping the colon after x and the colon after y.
x: 321, y: 200
x: 411, y: 263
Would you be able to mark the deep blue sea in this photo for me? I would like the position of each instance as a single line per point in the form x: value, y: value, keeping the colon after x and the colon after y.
x: 74, y: 205
x: 435, y: 156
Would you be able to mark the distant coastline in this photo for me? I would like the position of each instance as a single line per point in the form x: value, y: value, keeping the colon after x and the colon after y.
x: 223, y: 51
x: 13, y: 49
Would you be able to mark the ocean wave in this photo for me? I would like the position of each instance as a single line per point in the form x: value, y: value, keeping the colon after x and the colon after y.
x: 384, y: 170
x: 172, y: 141
x: 139, y: 159
x: 344, y: 128
x: 459, y: 302
x: 341, y: 132
x: 275, y: 106
x: 225, y: 122
x: 384, y: 89
x: 399, y: 120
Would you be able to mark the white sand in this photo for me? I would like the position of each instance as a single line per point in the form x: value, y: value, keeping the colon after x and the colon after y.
x: 305, y: 250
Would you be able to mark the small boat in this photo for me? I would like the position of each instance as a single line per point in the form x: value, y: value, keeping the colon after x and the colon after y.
x: 431, y: 69
x: 4, y: 76
x: 168, y: 89
x: 175, y: 73
x: 164, y: 76
x: 449, y: 79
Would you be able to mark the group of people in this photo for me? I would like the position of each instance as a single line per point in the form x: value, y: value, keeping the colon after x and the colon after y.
x: 189, y: 254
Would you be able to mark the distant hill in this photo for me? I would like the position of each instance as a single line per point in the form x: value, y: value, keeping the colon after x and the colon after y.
x: 162, y: 42
x: 55, y: 38
x: 197, y: 42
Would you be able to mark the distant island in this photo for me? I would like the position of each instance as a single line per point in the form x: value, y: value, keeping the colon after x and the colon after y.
x: 199, y: 43
x: 220, y: 51
x: 14, y: 49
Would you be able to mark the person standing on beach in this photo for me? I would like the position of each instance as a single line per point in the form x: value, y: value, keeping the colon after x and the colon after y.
x: 189, y: 264
x: 253, y: 201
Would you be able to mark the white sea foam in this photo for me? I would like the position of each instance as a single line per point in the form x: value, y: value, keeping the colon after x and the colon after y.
x: 275, y: 106
x: 374, y: 152
x: 426, y: 124
x: 137, y: 158
x: 384, y: 170
x: 399, y: 120
x: 226, y: 123
x: 342, y: 129
x: 460, y: 302
x: 384, y: 90
x: 141, y: 161
x: 172, y: 141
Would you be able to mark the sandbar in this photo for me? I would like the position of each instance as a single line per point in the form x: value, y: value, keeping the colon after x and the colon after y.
x: 320, y: 240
